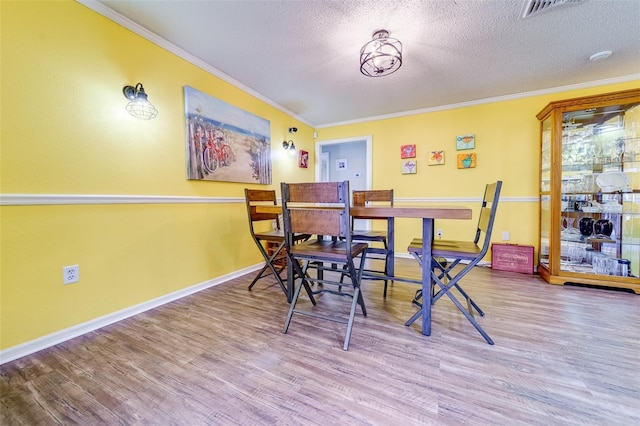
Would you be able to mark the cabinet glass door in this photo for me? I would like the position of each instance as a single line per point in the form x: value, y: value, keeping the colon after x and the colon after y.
x: 600, y: 179
x: 545, y: 199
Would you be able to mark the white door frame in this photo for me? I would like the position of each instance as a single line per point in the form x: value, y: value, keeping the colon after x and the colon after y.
x: 369, y: 160
x: 360, y: 223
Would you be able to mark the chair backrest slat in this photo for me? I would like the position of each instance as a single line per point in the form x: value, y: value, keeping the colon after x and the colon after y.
x: 360, y: 198
x: 319, y: 208
x: 318, y: 222
x: 256, y: 217
x: 485, y: 217
x: 254, y: 197
x: 488, y: 213
x: 261, y: 195
x: 315, y: 192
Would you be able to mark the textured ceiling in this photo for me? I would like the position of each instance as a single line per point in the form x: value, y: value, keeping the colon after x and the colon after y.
x: 303, y: 55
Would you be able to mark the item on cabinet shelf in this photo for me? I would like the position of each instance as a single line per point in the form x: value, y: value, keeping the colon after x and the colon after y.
x: 588, y: 255
x: 612, y: 206
x: 611, y: 181
x: 602, y: 264
x: 570, y: 233
x: 586, y: 226
x: 564, y: 205
x: 580, y: 205
x: 588, y: 182
x: 623, y: 267
x: 591, y: 209
x: 576, y: 254
x: 603, y: 228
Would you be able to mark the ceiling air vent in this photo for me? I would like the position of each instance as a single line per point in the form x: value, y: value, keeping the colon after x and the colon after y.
x: 535, y: 7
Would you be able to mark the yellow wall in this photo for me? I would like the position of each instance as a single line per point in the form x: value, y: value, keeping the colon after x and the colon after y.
x: 64, y: 130
x: 507, y: 148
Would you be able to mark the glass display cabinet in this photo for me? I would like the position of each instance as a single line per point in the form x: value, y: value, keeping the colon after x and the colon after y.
x: 590, y: 191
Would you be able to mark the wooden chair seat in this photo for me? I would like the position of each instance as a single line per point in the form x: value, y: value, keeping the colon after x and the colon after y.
x: 448, y: 249
x: 277, y: 235
x: 369, y: 235
x: 327, y: 250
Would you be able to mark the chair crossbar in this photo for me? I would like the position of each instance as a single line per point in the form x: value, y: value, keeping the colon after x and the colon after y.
x: 326, y: 290
x: 320, y: 316
x: 445, y: 272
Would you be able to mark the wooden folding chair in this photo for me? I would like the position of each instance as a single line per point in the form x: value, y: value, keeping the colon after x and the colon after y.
x: 469, y: 252
x: 381, y: 197
x: 269, y: 232
x: 322, y: 209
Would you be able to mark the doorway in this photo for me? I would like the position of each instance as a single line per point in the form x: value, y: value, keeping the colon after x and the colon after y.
x: 346, y: 159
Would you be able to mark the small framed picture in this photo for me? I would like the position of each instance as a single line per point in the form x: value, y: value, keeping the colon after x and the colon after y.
x: 409, y: 167
x: 341, y: 165
x: 467, y: 161
x: 408, y: 151
x: 436, y: 158
x: 303, y: 159
x: 465, y: 142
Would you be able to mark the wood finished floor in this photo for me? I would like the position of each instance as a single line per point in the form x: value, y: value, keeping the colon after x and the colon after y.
x: 563, y: 356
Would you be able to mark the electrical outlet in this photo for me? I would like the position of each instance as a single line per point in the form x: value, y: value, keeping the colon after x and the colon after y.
x: 71, y: 274
x: 505, y: 236
x: 439, y: 233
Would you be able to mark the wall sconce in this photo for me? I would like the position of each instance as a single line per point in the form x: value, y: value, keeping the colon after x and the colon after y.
x: 289, y: 146
x: 139, y: 106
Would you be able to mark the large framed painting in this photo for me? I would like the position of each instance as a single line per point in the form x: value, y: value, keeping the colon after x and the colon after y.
x: 224, y: 142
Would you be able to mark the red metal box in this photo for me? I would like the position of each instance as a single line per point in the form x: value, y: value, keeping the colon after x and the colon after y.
x: 512, y: 257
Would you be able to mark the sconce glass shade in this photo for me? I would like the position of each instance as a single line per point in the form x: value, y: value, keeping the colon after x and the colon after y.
x: 290, y: 147
x: 139, y: 106
x: 381, y: 56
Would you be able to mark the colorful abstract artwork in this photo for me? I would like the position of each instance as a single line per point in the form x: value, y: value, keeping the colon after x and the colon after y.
x: 409, y: 167
x: 436, y: 158
x: 408, y: 151
x: 467, y: 161
x: 303, y: 159
x: 465, y: 142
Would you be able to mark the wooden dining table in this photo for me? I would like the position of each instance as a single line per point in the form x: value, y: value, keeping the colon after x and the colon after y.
x: 428, y: 214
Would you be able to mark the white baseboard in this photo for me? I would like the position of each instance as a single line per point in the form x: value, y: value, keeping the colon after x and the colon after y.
x: 53, y: 339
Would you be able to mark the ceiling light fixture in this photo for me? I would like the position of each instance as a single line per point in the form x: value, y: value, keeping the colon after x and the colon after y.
x: 139, y: 106
x: 289, y: 146
x: 381, y: 56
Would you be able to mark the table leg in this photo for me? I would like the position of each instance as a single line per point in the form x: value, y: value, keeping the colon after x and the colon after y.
x: 391, y: 246
x: 290, y: 280
x: 427, y: 280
